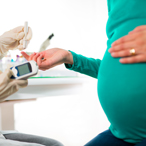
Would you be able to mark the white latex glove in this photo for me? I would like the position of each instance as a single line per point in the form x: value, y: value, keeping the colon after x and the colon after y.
x: 9, y: 86
x: 13, y: 39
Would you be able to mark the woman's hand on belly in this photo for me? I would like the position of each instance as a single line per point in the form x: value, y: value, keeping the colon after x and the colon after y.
x: 135, y: 41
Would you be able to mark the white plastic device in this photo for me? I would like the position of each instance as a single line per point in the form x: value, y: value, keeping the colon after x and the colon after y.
x: 25, y: 43
x: 24, y: 70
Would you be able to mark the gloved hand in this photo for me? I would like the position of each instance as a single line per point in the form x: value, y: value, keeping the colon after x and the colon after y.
x: 13, y: 39
x: 9, y: 86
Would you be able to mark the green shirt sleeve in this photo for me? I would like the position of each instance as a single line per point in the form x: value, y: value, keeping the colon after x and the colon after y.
x: 84, y: 65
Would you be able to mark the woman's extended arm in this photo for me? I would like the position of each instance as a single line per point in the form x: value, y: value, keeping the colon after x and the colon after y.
x: 72, y: 61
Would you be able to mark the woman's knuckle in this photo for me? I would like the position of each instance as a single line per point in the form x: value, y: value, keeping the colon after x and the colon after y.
x: 135, y: 59
x: 130, y: 60
x: 143, y: 58
x: 122, y: 40
x: 139, y: 42
x: 138, y: 28
x: 121, y: 46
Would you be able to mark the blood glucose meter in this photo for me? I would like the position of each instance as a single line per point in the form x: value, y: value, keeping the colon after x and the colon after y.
x: 24, y: 70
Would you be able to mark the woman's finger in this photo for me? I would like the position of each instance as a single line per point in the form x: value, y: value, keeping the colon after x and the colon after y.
x: 123, y: 53
x: 26, y: 56
x: 134, y: 59
x: 31, y: 56
x: 122, y: 46
x: 139, y: 28
x: 127, y: 38
x: 127, y: 52
x: 39, y: 60
x: 35, y: 57
x: 42, y: 64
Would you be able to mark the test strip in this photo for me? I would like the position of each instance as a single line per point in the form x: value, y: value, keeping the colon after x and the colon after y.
x: 25, y: 32
x: 43, y: 60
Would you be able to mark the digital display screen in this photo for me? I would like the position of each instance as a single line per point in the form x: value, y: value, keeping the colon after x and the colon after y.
x: 23, y: 69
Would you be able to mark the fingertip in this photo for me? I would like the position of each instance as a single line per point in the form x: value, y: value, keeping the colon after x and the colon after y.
x: 18, y: 29
x: 20, y: 48
x: 122, y: 61
x: 20, y: 36
x: 21, y: 42
x: 22, y: 52
x: 26, y: 56
x: 113, y: 44
x: 110, y: 50
x: 131, y: 32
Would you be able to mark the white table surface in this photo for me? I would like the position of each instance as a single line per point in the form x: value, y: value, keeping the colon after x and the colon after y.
x: 40, y: 87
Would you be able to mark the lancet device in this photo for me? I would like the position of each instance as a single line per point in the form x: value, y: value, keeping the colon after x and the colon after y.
x: 24, y: 70
x: 25, y: 32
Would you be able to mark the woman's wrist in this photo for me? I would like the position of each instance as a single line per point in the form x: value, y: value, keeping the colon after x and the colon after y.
x: 69, y: 58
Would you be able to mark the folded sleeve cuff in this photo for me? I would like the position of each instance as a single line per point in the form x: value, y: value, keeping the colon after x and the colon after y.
x: 74, y: 65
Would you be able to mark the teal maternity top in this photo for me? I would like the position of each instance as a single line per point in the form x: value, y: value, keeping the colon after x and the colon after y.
x: 121, y: 87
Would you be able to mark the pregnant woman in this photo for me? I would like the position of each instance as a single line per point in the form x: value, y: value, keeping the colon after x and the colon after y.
x: 121, y: 73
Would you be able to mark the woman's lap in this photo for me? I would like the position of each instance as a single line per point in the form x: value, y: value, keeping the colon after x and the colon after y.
x: 143, y: 143
x: 106, y: 138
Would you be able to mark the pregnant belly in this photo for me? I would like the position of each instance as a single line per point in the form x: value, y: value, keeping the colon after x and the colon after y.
x: 122, y: 94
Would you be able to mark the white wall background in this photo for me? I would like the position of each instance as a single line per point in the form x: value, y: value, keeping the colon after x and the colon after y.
x: 78, y: 25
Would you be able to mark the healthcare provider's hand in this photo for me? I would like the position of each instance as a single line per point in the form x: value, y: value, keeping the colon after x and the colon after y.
x: 13, y: 39
x: 9, y: 86
x: 53, y: 57
x: 132, y: 47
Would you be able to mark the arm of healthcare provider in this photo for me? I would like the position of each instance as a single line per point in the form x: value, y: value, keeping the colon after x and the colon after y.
x: 72, y: 61
x: 132, y: 47
x: 13, y: 39
x: 9, y: 86
x: 10, y: 40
